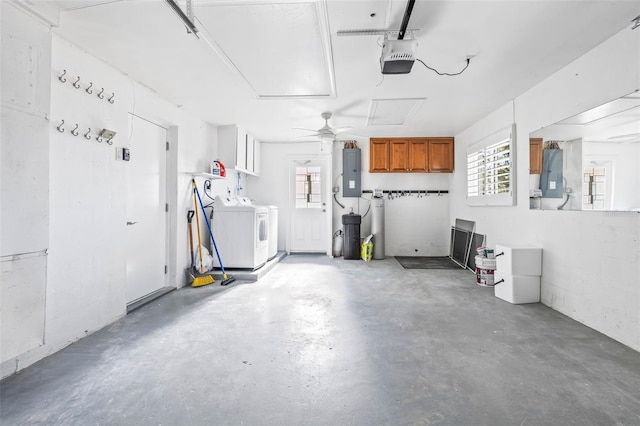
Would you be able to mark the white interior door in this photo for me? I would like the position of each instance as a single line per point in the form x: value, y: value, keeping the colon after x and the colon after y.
x: 146, y: 215
x: 308, y: 206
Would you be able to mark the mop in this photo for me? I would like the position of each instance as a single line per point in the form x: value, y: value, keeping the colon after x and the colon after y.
x: 225, y: 279
x: 202, y: 279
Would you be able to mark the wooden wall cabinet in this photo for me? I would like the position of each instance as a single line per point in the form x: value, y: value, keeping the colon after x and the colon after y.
x: 441, y: 158
x: 378, y: 155
x: 535, y: 156
x: 411, y: 155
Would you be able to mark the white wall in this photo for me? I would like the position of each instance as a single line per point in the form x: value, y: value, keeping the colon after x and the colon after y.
x: 86, y: 274
x: 591, y: 260
x: 272, y: 186
x: 24, y: 181
x: 413, y: 226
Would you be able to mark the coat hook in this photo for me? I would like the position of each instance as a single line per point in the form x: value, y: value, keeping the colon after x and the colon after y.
x: 100, y: 94
x: 88, y: 89
x: 74, y: 132
x: 60, y: 128
x: 111, y: 98
x: 86, y: 135
x: 99, y: 139
x: 76, y: 83
x: 110, y: 141
x: 61, y: 78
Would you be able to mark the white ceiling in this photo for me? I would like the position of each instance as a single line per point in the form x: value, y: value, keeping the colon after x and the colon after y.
x: 514, y: 44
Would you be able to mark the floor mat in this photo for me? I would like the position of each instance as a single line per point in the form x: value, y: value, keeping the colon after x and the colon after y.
x: 426, y: 262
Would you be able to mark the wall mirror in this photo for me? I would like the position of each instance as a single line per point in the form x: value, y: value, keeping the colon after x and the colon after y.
x: 590, y: 161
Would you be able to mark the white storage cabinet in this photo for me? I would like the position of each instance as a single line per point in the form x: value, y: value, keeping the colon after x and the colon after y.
x: 517, y: 275
x: 238, y: 150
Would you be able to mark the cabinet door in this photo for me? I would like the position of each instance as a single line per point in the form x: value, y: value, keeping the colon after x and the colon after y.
x: 241, y: 149
x: 535, y: 156
x: 398, y: 155
x: 378, y: 155
x: 256, y: 156
x: 250, y: 154
x: 418, y: 155
x: 441, y: 155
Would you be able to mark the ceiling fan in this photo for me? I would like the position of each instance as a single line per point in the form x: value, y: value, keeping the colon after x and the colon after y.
x: 326, y: 133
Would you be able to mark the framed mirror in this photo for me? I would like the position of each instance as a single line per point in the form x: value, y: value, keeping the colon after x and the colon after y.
x: 590, y: 161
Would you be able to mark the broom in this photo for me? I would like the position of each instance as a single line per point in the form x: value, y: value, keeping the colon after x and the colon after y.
x: 225, y: 279
x: 202, y: 279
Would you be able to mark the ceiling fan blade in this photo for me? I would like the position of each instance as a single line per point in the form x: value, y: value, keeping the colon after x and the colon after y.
x: 341, y: 111
x: 341, y: 129
x: 308, y: 130
x: 315, y: 135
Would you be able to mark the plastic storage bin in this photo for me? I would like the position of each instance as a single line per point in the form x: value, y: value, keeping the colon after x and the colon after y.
x: 519, y: 260
x: 517, y: 289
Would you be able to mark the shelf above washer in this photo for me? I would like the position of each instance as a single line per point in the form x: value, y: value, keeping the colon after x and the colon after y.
x: 206, y: 175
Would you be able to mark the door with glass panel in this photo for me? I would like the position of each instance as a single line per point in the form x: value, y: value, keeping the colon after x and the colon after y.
x: 308, y: 205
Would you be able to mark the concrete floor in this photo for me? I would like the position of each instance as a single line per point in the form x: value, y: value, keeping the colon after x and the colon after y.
x: 321, y: 341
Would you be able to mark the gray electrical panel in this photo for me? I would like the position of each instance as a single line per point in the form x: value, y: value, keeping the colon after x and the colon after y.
x: 551, y: 176
x: 351, y: 173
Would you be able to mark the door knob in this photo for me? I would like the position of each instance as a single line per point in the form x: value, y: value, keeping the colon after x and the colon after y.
x: 131, y: 223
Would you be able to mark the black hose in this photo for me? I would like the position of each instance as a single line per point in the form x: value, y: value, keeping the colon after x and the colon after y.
x: 561, y: 206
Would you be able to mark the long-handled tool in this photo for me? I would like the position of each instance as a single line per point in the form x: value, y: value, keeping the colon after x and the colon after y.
x: 203, y: 279
x: 190, y: 214
x: 225, y: 279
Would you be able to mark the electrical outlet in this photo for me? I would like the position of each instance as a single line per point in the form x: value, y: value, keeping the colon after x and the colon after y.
x: 123, y: 154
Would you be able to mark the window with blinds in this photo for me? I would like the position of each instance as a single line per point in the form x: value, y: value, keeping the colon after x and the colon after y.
x: 490, y: 170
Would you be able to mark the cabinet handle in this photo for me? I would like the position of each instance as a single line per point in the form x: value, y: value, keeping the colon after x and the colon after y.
x: 501, y: 281
x: 500, y: 254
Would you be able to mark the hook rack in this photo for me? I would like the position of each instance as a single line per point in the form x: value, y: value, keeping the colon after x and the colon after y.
x: 89, y: 88
x: 396, y: 193
x: 108, y: 134
x: 102, y: 135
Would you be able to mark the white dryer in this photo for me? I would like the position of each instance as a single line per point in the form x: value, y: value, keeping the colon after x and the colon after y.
x: 273, y: 232
x: 241, y: 231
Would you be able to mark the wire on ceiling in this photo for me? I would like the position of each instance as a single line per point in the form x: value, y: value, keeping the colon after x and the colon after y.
x: 445, y: 73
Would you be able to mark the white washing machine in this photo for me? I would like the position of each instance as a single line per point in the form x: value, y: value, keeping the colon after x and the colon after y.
x: 272, y: 246
x: 241, y: 231
x: 273, y: 232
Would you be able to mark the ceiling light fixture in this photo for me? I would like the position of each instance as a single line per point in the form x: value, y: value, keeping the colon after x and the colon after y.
x: 188, y: 21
